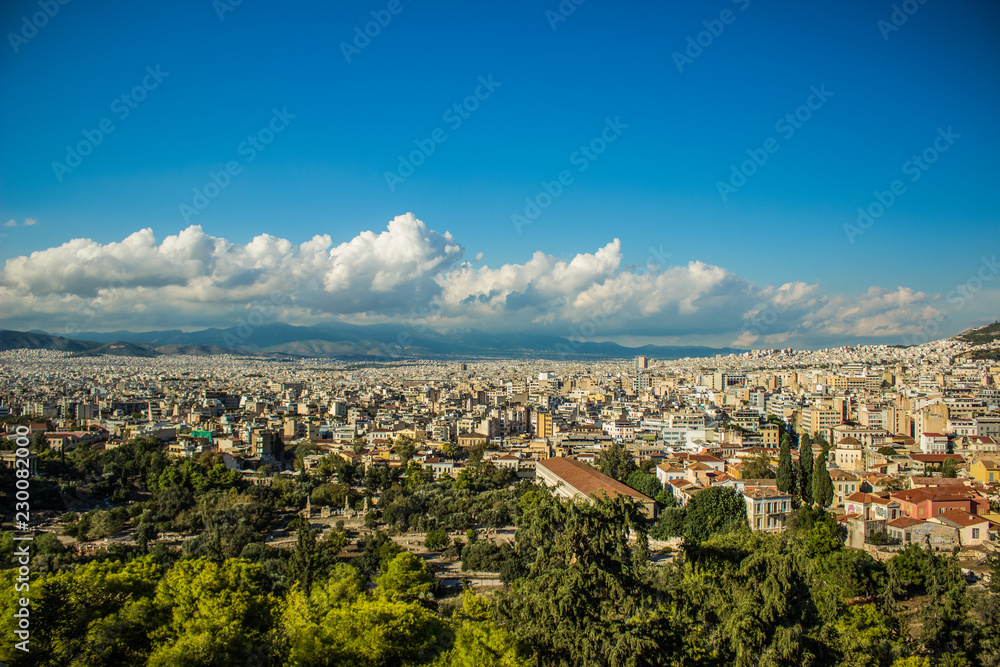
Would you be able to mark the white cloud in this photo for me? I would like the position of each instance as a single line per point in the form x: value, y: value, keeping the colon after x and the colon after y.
x: 28, y: 222
x: 878, y: 313
x: 10, y: 223
x: 408, y: 271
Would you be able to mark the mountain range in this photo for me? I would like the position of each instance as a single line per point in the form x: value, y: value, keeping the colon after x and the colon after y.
x: 341, y: 341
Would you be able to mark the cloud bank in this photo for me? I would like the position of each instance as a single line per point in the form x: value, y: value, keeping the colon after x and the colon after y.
x: 408, y: 272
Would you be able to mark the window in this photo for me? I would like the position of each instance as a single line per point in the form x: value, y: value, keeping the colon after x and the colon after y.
x: 975, y: 533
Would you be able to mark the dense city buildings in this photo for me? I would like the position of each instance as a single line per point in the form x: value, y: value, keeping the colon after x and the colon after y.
x: 909, y: 435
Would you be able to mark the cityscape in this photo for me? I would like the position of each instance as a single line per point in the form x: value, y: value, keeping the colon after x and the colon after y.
x: 553, y: 333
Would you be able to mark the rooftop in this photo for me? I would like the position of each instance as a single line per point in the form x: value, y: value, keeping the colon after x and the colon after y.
x: 588, y: 480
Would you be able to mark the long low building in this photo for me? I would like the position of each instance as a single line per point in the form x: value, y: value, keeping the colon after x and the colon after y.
x: 575, y: 479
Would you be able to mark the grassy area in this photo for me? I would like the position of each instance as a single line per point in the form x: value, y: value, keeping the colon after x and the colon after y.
x: 982, y: 335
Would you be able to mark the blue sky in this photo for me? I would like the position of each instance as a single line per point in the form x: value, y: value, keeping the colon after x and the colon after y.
x: 889, y: 93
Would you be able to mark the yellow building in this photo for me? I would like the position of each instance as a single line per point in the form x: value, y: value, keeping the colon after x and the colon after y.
x: 985, y: 470
x: 770, y: 435
x: 543, y: 427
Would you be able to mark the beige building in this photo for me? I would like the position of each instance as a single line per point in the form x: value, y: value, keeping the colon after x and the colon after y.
x: 818, y: 419
x: 767, y: 508
x: 850, y: 455
x: 931, y: 419
x: 971, y: 529
x: 844, y: 484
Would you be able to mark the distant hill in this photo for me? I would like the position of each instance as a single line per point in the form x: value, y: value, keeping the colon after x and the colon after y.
x: 386, y: 341
x: 982, y: 335
x: 33, y: 340
x: 14, y: 340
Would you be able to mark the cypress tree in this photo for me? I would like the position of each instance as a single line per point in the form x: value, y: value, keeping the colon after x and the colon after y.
x: 822, y: 484
x: 805, y: 471
x: 785, y: 478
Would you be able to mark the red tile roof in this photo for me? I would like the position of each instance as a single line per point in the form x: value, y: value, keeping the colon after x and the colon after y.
x: 963, y: 519
x: 905, y: 522
x: 588, y: 480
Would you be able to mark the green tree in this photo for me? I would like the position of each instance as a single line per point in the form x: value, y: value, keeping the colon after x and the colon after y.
x: 759, y: 467
x: 71, y: 601
x: 145, y: 533
x: 376, y: 552
x: 416, y: 476
x: 213, y: 613
x: 337, y: 624
x: 754, y: 609
x: 406, y: 578
x: 806, y: 466
x: 669, y: 524
x: 332, y: 495
x: 822, y: 484
x: 480, y: 643
x: 302, y: 564
x: 645, y: 483
x: 716, y: 509
x: 437, y: 539
x: 785, y: 479
x: 406, y: 448
x: 583, y: 601
x: 616, y: 462
x: 665, y: 498
x: 949, y: 468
